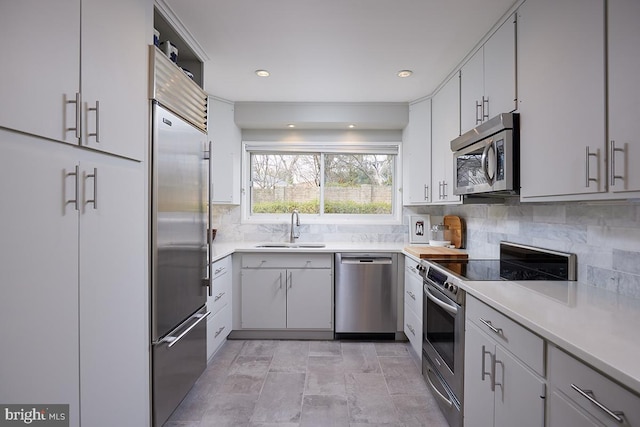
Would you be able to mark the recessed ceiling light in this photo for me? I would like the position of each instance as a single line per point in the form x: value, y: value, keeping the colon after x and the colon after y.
x: 352, y: 126
x: 404, y: 73
x: 262, y: 73
x: 291, y: 125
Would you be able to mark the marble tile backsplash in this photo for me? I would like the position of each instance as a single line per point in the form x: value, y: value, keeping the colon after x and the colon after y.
x: 604, y: 236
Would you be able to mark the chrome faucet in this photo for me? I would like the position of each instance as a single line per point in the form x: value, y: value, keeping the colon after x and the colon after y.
x: 293, y: 236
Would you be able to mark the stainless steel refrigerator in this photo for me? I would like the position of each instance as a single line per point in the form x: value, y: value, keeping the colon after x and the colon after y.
x: 179, y: 258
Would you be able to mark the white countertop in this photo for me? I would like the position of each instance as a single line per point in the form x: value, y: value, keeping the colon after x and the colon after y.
x: 600, y: 327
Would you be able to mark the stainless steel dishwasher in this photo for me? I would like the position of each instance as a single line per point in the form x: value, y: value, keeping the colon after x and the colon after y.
x: 366, y: 294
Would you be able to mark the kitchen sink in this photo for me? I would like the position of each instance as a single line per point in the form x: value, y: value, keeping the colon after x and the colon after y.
x: 289, y: 245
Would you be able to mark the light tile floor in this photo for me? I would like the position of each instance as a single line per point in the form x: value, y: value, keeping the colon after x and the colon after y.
x: 309, y: 384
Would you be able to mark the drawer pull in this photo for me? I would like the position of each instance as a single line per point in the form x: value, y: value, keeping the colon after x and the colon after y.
x: 219, y: 331
x: 488, y: 324
x: 588, y: 394
x: 217, y: 297
x: 413, y: 331
x: 412, y: 295
x: 218, y: 270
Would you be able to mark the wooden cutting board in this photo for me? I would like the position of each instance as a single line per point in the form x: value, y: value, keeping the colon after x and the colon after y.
x: 435, y: 252
x: 456, y: 227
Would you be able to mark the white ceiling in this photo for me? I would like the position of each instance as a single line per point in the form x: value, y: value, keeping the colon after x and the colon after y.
x: 333, y: 50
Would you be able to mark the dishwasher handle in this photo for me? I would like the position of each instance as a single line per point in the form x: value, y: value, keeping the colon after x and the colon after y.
x: 368, y: 260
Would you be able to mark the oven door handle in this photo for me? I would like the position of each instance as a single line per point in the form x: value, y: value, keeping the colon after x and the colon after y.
x: 450, y: 308
x: 448, y: 402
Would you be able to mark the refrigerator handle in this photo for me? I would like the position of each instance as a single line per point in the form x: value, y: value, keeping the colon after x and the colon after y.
x: 174, y: 340
x: 208, y: 156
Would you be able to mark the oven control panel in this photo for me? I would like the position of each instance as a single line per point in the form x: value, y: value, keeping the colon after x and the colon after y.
x: 445, y: 283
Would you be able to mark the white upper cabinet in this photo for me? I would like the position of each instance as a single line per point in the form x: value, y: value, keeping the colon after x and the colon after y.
x: 624, y: 95
x: 40, y: 70
x: 416, y: 155
x: 445, y: 119
x: 114, y: 74
x: 561, y: 92
x: 488, y: 79
x: 77, y: 72
x: 226, y: 142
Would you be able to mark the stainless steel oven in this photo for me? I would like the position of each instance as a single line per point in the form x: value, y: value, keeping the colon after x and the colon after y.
x: 443, y: 342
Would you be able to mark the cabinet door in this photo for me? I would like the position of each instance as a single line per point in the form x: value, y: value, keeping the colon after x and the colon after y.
x: 113, y: 292
x: 445, y: 127
x: 519, y: 393
x: 309, y: 299
x: 561, y: 91
x: 478, y: 372
x: 114, y: 76
x: 226, y: 140
x: 500, y: 70
x: 39, y: 265
x: 264, y: 299
x: 416, y: 154
x: 40, y: 67
x: 624, y: 94
x: 472, y: 92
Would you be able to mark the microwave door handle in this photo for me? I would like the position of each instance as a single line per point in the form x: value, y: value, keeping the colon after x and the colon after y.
x: 484, y: 161
x: 450, y: 308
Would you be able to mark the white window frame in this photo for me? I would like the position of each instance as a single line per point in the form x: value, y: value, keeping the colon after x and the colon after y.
x: 329, y: 147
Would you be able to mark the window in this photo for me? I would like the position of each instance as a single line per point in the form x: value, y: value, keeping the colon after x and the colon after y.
x: 330, y: 181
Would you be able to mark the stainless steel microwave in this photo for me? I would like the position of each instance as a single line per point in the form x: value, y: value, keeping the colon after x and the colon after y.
x: 486, y: 159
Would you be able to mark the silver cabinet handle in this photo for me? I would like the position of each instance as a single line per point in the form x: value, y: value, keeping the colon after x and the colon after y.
x: 588, y: 394
x: 77, y: 188
x: 217, y: 297
x: 174, y: 340
x: 411, y: 329
x: 219, y: 270
x: 280, y: 280
x: 426, y: 192
x: 612, y: 154
x: 412, y: 295
x: 219, y: 331
x: 489, y: 325
x: 290, y: 280
x: 484, y: 369
x: 93, y: 201
x: 78, y: 102
x: 485, y: 112
x: 478, y: 116
x: 588, y: 178
x: 97, y: 110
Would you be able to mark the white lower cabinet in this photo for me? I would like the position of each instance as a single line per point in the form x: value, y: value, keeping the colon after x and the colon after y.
x: 500, y: 389
x: 287, y: 291
x: 413, y: 306
x: 219, y: 303
x: 580, y: 396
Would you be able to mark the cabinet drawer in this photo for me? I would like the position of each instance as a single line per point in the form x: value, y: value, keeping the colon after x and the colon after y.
x: 413, y: 329
x: 218, y: 328
x: 413, y: 290
x: 523, y: 343
x: 568, y: 374
x: 221, y: 267
x: 221, y: 294
x: 293, y: 260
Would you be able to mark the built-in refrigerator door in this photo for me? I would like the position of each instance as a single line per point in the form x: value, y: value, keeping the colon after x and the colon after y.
x: 178, y: 360
x: 179, y: 220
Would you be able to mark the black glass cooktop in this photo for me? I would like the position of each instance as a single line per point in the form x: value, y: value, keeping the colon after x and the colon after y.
x: 517, y: 262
